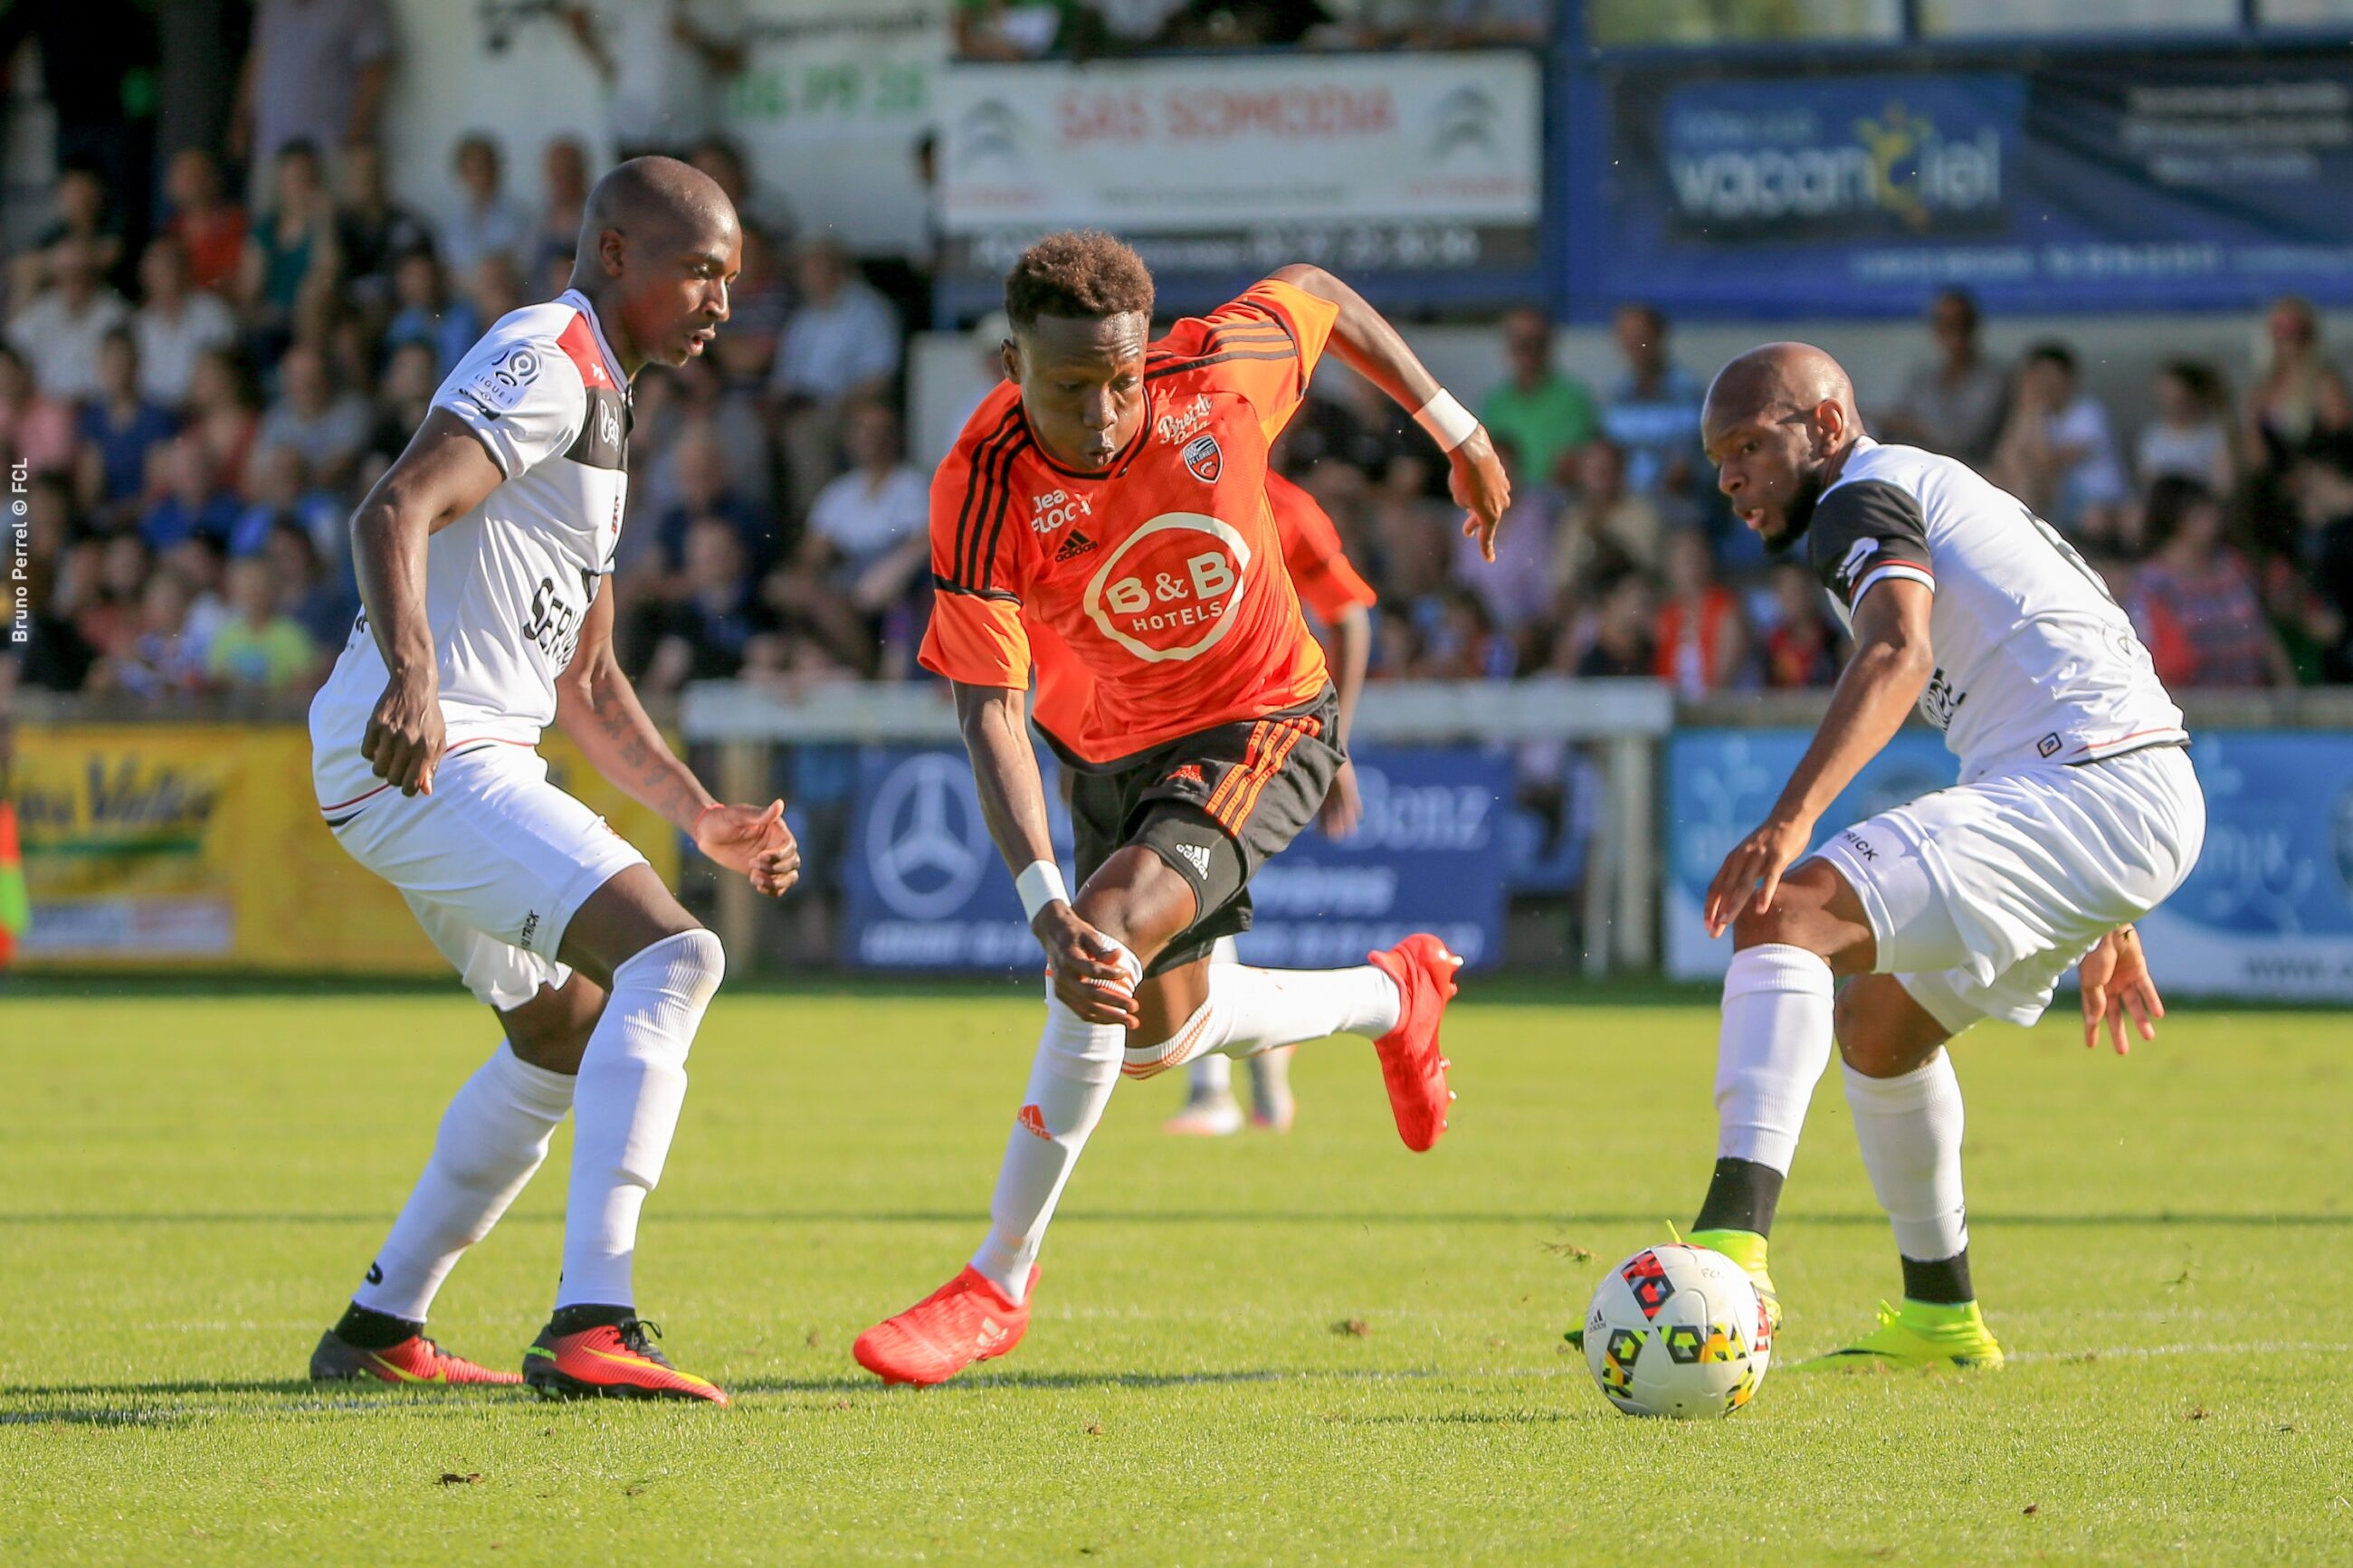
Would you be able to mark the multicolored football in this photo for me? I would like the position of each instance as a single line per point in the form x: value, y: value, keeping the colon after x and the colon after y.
x: 1678, y: 1330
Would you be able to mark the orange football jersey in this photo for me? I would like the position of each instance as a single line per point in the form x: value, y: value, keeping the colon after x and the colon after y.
x: 1321, y: 572
x: 1151, y: 598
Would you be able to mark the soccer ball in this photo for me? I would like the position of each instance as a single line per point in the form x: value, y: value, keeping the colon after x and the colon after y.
x: 1678, y: 1330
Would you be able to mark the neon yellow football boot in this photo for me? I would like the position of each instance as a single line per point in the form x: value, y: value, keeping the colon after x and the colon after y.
x: 1747, y: 1248
x: 1922, y: 1333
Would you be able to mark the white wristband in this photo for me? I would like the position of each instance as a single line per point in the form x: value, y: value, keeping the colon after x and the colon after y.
x: 1040, y: 884
x: 1449, y: 423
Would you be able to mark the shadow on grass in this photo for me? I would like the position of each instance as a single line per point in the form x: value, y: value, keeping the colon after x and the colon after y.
x: 1549, y: 1217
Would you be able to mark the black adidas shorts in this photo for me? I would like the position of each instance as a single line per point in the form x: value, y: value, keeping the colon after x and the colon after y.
x: 1216, y: 805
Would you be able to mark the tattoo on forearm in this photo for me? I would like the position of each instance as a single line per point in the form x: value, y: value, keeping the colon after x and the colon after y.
x: 639, y: 750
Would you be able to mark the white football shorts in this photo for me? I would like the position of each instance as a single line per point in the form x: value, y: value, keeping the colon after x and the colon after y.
x: 1983, y: 896
x: 495, y: 862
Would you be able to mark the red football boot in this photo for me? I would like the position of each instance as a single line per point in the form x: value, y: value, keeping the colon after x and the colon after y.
x: 963, y: 1321
x: 1410, y: 1065
x: 611, y: 1360
x: 414, y: 1360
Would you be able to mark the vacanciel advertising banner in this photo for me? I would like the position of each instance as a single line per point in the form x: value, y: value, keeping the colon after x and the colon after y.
x: 1374, y: 163
x: 179, y: 846
x: 2146, y: 186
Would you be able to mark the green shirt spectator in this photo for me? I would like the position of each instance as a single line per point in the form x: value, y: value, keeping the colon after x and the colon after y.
x: 260, y: 647
x: 1541, y: 411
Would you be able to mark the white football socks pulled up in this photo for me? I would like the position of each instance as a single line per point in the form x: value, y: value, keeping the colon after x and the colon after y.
x: 1775, y: 1047
x: 492, y: 1137
x: 1910, y: 1130
x: 1069, y: 1083
x: 632, y: 1084
x: 1254, y: 1010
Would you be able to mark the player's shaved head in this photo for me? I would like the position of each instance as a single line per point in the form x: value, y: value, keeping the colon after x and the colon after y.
x: 659, y: 246
x: 656, y: 196
x: 1777, y: 424
x: 1775, y: 380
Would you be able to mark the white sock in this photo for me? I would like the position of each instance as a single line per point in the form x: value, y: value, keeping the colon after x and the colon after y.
x: 1211, y: 1075
x: 1069, y: 1084
x: 632, y: 1083
x: 1910, y: 1130
x: 1253, y: 1010
x: 1775, y: 1047
x: 492, y: 1137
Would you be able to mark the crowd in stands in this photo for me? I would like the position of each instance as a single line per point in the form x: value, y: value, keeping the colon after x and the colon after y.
x: 1034, y: 29
x: 200, y: 386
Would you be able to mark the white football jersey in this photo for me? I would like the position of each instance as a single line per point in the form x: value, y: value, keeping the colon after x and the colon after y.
x: 2035, y: 660
x: 507, y: 585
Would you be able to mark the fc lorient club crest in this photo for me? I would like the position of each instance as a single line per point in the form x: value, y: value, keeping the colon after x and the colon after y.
x: 1203, y: 460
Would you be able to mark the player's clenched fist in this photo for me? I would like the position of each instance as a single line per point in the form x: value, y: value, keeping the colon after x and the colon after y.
x: 752, y: 841
x: 404, y: 734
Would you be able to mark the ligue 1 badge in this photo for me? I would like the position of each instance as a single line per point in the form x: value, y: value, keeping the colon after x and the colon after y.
x: 1203, y: 459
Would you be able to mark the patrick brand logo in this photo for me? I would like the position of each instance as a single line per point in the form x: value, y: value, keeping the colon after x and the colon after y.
x: 530, y: 929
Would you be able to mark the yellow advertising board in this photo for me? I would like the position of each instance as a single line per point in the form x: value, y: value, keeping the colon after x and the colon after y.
x: 200, y: 846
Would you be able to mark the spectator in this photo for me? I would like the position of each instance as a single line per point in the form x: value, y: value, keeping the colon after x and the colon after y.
x: 176, y: 323
x: 403, y: 396
x: 1460, y: 642
x: 59, y: 568
x: 283, y: 497
x: 35, y: 429
x: 762, y: 207
x: 1409, y: 536
x: 1622, y: 645
x: 260, y: 647
x: 1954, y: 403
x: 841, y: 346
x: 224, y: 414
x: 164, y: 657
x: 60, y: 332
x: 2191, y: 437
x: 1218, y: 25
x: 1007, y: 30
x: 98, y: 60
x: 426, y: 314
x: 119, y: 430
x: 665, y: 64
x: 188, y: 501
x: 1606, y: 529
x: 106, y: 612
x: 1544, y: 412
x: 2319, y: 580
x: 2195, y: 601
x: 289, y: 258
x: 708, y: 632
x: 697, y: 477
x: 1652, y: 414
x: 316, y: 74
x: 211, y: 230
x: 323, y: 606
x: 372, y: 231
x: 327, y: 427
x: 563, y: 179
x: 758, y: 306
x: 1515, y: 590
x: 2298, y: 402
x: 868, y: 532
x: 2058, y: 451
x: 1801, y: 649
x: 487, y: 222
x: 81, y: 215
x: 1702, y: 637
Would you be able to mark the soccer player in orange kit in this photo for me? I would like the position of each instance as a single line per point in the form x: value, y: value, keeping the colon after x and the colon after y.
x: 1330, y: 589
x: 1103, y: 521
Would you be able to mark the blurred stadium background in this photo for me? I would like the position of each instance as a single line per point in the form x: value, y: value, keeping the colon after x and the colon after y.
x: 2100, y: 249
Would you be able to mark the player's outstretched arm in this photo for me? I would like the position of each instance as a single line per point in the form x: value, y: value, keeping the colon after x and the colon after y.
x: 994, y: 720
x: 445, y: 473
x: 1374, y: 349
x: 2116, y: 980
x: 1352, y: 636
x: 597, y: 705
x: 1892, y: 662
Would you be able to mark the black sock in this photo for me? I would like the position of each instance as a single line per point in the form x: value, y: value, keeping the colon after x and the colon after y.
x: 574, y: 1320
x: 1742, y: 1196
x: 1944, y: 1283
x: 374, y: 1330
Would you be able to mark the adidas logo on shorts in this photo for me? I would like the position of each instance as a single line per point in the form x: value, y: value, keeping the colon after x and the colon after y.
x: 1197, y: 854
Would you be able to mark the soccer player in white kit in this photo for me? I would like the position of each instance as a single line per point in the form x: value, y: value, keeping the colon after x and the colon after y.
x: 2076, y: 814
x: 482, y: 556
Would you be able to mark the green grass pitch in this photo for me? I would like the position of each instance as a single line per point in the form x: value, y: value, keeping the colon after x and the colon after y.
x: 1318, y: 1349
